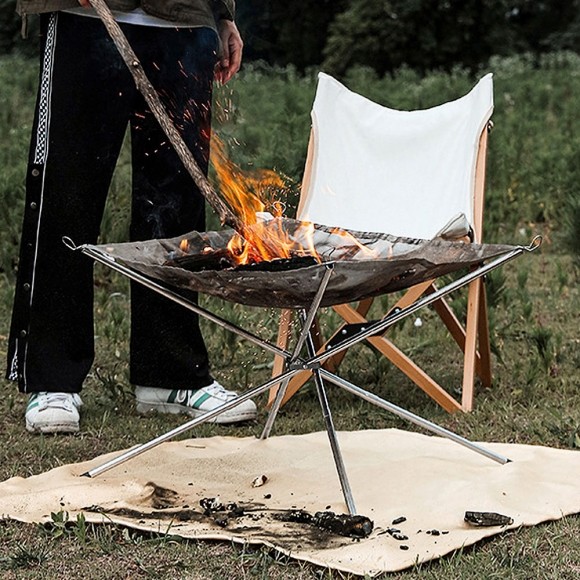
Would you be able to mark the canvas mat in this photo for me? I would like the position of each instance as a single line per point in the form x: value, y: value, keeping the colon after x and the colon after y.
x: 430, y: 481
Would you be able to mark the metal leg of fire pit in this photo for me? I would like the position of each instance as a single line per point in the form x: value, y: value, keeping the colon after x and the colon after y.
x: 433, y: 427
x: 290, y: 361
x: 190, y: 424
x: 331, y: 431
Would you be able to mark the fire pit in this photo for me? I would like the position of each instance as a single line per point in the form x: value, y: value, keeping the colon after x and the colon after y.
x: 349, y: 266
x: 365, y: 264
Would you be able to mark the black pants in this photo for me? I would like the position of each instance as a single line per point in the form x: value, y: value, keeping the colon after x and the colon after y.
x: 86, y: 100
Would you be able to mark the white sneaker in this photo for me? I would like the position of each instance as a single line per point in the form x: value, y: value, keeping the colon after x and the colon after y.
x: 195, y: 402
x: 53, y: 412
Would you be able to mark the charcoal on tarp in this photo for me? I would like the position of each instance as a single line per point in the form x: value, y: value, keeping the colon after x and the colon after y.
x: 481, y: 519
x: 353, y: 526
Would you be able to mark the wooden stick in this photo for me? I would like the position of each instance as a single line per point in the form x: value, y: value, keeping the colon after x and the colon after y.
x: 152, y: 98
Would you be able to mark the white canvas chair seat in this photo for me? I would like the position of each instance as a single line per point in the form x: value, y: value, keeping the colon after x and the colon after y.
x: 406, y: 173
x: 417, y: 174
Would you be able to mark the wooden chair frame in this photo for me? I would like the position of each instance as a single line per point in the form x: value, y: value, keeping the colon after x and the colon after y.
x: 472, y: 338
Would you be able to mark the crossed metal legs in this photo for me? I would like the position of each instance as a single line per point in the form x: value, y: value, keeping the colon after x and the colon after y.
x: 295, y: 363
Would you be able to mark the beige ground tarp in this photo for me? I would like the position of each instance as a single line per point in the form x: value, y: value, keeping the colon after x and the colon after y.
x: 430, y: 481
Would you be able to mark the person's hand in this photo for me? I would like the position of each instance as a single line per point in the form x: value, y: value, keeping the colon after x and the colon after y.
x: 230, y: 58
x: 85, y: 3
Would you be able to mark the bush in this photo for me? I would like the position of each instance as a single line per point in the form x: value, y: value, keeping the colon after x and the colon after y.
x: 11, y: 41
x: 429, y: 35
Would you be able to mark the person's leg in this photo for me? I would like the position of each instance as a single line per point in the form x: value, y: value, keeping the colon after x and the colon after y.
x: 169, y: 361
x: 167, y: 348
x: 78, y: 129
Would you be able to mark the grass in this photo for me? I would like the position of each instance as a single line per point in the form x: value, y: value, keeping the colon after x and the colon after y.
x: 535, y: 398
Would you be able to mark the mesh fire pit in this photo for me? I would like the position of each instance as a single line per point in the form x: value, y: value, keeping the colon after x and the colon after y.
x: 365, y: 264
x: 347, y: 266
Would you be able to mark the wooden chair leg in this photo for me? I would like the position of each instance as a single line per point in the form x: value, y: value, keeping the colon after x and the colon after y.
x: 484, y: 341
x: 282, y: 342
x: 473, y: 300
x: 456, y: 329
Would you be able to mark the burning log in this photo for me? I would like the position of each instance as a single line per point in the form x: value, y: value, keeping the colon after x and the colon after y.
x: 223, y: 259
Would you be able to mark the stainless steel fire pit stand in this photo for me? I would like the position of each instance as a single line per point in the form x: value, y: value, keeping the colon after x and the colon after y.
x: 312, y: 362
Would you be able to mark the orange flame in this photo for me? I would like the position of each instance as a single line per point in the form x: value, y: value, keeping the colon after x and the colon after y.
x: 246, y: 193
x: 355, y: 247
x: 254, y: 197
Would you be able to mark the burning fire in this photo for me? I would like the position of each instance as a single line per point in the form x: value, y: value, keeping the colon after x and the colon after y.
x: 254, y: 197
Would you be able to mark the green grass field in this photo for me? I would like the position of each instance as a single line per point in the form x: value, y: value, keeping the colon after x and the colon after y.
x: 533, y: 178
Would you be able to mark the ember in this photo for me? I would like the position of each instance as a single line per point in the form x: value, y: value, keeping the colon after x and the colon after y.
x: 223, y: 259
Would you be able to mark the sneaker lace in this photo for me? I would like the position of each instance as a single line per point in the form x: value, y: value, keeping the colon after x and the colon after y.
x: 219, y: 391
x: 60, y: 400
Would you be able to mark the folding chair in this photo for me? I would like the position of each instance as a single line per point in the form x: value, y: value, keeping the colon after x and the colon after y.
x: 418, y: 174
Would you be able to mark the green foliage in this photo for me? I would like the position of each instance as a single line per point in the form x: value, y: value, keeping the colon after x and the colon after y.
x: 421, y: 34
x: 545, y: 26
x: 26, y: 557
x: 438, y: 35
x: 283, y: 33
x: 11, y: 29
x: 534, y: 144
x: 17, y: 90
x: 61, y: 526
x: 385, y: 35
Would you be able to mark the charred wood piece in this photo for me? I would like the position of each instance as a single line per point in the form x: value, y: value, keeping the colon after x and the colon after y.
x: 279, y: 264
x: 222, y: 259
x: 211, y: 505
x: 353, y: 526
x: 213, y: 260
x: 487, y: 519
